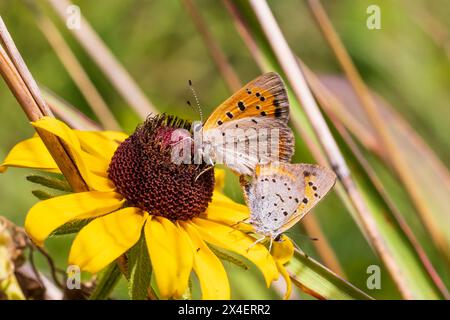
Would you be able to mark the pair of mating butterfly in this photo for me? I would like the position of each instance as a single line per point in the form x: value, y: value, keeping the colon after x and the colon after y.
x: 278, y: 193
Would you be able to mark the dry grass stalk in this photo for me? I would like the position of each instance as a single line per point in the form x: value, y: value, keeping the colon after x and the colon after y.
x: 395, y: 157
x: 294, y: 74
x: 77, y: 72
x: 68, y: 113
x: 26, y: 91
x: 214, y: 49
x: 312, y: 226
x: 111, y: 67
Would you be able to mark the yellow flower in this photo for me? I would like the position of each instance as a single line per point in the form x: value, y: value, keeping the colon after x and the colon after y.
x: 133, y: 188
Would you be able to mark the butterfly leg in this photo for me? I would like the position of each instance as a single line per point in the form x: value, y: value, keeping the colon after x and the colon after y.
x: 270, y: 245
x: 198, y: 176
x: 256, y: 242
x: 234, y: 225
x: 246, y: 220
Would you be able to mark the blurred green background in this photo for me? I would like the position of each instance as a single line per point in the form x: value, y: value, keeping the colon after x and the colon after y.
x: 158, y: 44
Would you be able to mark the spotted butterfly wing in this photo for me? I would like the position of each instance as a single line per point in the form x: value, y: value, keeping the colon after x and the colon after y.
x: 246, y: 142
x: 265, y: 96
x: 262, y: 105
x: 280, y: 195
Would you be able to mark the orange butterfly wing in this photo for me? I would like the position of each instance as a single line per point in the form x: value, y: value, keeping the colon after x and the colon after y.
x: 265, y: 96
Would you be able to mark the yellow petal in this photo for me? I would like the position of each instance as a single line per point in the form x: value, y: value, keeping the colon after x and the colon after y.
x: 30, y: 153
x: 106, y: 238
x: 171, y: 256
x: 286, y: 278
x: 283, y: 250
x: 45, y: 216
x: 224, y: 210
x: 219, y: 177
x: 102, y: 144
x: 208, y: 268
x: 239, y: 242
x: 60, y: 129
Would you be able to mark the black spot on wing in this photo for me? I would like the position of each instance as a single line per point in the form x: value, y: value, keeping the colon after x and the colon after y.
x: 278, y: 112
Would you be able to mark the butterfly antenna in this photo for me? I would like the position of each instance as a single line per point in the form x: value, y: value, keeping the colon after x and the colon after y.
x: 190, y: 104
x: 200, y: 112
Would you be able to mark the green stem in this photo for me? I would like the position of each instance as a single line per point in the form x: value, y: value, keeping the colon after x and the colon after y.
x: 107, y: 282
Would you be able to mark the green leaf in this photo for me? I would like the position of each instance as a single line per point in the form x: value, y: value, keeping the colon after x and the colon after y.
x: 70, y: 227
x: 42, y: 195
x: 140, y: 271
x: 108, y: 280
x: 222, y: 255
x: 50, y: 182
x: 320, y: 282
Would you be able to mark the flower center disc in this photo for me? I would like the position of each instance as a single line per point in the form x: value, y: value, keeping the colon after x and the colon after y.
x: 144, y: 173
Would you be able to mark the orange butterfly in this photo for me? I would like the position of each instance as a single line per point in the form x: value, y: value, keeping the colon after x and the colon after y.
x: 250, y: 127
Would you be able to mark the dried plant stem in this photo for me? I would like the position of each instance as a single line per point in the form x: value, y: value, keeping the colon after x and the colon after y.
x: 294, y: 74
x: 106, y: 61
x: 325, y: 251
x: 52, y: 292
x: 68, y: 113
x: 353, y: 75
x: 322, y: 248
x: 397, y: 217
x: 334, y: 105
x: 434, y: 28
x: 246, y: 36
x: 26, y: 91
x: 216, y: 53
x: 368, y: 103
x: 78, y: 74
